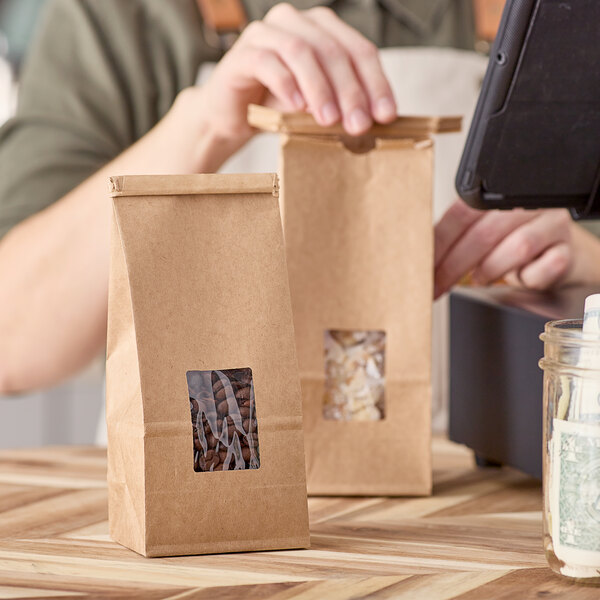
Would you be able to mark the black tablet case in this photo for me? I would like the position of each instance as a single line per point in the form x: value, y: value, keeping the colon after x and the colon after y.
x: 535, y: 137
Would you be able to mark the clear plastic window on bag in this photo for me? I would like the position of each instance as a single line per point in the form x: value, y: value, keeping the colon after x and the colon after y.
x: 225, y: 429
x: 354, y: 375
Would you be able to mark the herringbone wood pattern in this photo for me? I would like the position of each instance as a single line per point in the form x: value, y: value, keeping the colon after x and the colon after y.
x: 478, y: 536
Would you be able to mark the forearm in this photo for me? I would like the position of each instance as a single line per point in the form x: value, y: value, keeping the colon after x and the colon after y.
x: 54, y: 265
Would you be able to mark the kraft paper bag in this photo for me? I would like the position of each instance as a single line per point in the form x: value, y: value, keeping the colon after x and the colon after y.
x: 359, y: 243
x: 205, y: 443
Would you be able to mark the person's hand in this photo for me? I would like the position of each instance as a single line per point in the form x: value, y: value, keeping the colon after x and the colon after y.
x: 536, y: 249
x: 293, y: 60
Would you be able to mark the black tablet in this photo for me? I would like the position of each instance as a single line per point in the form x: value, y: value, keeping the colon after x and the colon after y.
x: 535, y: 136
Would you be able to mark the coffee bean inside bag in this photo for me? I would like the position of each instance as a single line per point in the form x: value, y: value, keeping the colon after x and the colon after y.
x: 205, y: 443
x: 359, y: 242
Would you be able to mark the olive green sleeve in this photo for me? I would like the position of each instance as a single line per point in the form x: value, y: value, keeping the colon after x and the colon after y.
x: 99, y: 75
x: 593, y: 226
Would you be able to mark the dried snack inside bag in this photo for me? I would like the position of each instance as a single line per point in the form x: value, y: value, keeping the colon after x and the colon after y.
x: 354, y: 375
x: 224, y: 420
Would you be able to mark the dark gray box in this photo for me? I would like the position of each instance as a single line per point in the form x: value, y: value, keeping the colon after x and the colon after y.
x: 495, y: 382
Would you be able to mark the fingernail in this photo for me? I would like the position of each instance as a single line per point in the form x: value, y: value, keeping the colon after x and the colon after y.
x: 359, y: 121
x: 385, y: 109
x: 298, y: 100
x: 330, y: 114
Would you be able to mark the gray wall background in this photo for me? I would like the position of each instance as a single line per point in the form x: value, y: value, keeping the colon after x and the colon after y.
x: 67, y: 414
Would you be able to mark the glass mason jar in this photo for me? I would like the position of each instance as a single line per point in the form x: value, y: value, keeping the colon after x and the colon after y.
x: 571, y: 469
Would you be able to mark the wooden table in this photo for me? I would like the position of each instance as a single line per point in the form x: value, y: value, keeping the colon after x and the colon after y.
x: 478, y: 537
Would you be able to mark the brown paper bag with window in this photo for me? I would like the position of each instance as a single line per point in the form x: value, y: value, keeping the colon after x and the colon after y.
x: 358, y: 233
x: 205, y: 444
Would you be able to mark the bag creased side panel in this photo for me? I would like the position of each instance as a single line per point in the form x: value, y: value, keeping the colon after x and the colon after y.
x: 126, y: 502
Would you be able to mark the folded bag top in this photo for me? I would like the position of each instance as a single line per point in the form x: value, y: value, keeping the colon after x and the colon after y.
x: 415, y: 127
x: 185, y: 185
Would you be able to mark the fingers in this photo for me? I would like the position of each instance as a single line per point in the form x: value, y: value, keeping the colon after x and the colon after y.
x: 533, y: 249
x: 276, y: 77
x: 549, y: 269
x: 474, y: 244
x: 337, y: 70
x: 299, y: 57
x: 523, y: 245
x: 335, y: 61
x: 456, y: 220
x: 365, y: 60
x: 513, y: 279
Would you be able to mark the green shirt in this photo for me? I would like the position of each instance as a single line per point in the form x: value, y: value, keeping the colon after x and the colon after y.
x: 101, y: 73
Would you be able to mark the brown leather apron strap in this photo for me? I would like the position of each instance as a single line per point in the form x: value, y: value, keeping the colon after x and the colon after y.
x: 487, y: 18
x: 223, y: 21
